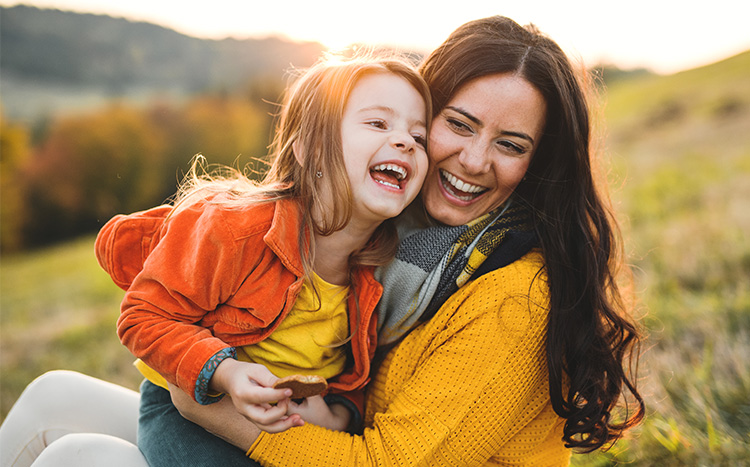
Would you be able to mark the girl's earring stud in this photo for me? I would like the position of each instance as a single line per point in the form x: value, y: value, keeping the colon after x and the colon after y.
x: 319, y: 174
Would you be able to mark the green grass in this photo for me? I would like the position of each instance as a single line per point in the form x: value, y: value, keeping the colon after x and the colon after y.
x: 58, y: 309
x: 680, y: 157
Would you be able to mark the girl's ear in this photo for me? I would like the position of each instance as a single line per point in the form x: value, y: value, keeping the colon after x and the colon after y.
x: 297, y: 149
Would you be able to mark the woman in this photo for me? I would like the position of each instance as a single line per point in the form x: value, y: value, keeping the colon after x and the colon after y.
x: 525, y: 358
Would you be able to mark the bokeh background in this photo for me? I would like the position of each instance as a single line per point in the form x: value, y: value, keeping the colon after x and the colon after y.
x: 105, y: 103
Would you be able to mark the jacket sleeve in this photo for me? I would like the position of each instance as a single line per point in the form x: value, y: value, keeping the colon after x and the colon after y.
x: 482, y: 379
x: 125, y: 241
x: 196, y: 266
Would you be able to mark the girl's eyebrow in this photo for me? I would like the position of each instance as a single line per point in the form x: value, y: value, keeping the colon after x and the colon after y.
x: 480, y: 123
x: 390, y: 110
x: 383, y: 108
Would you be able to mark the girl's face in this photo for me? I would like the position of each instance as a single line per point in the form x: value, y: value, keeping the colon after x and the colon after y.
x: 481, y: 145
x: 383, y: 131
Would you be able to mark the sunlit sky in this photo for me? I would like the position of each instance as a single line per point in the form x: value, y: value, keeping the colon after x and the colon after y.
x: 663, y: 35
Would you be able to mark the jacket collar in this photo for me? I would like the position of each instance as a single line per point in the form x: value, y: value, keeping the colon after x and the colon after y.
x: 283, y: 235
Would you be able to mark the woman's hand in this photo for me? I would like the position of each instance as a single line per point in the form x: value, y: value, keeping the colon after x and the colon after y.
x: 249, y: 387
x: 315, y: 410
x: 221, y: 419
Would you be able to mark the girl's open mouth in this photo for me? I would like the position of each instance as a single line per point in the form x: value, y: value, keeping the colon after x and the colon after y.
x: 390, y: 174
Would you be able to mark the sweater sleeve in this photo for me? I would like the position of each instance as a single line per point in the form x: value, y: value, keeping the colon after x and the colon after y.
x: 480, y: 380
x: 196, y: 266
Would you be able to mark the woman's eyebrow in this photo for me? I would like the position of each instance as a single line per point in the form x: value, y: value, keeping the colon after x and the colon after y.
x: 465, y: 114
x: 519, y: 135
x: 480, y: 123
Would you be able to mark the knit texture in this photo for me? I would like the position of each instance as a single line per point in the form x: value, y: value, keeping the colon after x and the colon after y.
x: 467, y: 388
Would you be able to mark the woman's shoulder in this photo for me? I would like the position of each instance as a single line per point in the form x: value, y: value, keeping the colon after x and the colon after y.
x: 504, y: 308
x: 522, y: 285
x: 525, y: 275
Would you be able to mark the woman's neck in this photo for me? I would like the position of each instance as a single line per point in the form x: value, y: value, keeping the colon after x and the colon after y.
x: 332, y: 252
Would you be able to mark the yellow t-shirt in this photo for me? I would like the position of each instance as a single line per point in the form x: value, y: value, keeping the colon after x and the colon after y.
x: 308, y: 341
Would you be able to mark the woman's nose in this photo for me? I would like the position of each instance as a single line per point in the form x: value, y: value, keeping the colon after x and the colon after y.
x: 475, y: 159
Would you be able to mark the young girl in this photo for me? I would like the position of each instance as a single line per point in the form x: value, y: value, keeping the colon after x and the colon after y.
x: 239, y: 283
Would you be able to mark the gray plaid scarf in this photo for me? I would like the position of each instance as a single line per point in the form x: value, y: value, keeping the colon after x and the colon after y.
x: 433, y: 261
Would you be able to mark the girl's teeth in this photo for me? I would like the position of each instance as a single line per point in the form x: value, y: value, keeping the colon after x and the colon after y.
x: 393, y: 168
x: 388, y: 184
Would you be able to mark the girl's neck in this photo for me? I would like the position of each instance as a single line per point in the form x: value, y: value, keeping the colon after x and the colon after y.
x: 332, y: 252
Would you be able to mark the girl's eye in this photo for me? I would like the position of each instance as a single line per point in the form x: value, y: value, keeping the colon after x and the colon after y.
x: 420, y: 140
x: 377, y: 124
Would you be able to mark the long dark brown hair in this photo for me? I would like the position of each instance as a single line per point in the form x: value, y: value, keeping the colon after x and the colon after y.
x: 592, y: 342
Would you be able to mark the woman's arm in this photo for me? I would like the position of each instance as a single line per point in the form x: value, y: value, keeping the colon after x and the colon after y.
x: 468, y: 385
x: 458, y: 389
x: 220, y: 419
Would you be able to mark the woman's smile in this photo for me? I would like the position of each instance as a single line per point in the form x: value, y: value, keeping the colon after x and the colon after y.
x: 456, y: 187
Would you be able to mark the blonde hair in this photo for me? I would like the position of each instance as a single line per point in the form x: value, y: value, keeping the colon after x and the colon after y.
x: 310, y: 122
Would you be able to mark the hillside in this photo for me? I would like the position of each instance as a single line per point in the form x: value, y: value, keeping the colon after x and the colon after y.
x: 55, y: 60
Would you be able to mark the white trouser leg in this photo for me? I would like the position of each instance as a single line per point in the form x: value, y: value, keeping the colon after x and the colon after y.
x: 62, y: 402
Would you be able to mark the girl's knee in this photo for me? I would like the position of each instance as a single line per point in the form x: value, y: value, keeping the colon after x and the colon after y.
x: 47, y: 391
x: 54, y: 381
x: 91, y: 449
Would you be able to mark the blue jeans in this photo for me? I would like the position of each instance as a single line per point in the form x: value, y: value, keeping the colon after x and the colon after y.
x: 167, y: 439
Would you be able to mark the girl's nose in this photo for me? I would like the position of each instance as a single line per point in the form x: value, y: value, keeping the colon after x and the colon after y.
x: 403, y: 141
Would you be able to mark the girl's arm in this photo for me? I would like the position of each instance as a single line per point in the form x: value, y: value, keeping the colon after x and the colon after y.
x: 196, y: 267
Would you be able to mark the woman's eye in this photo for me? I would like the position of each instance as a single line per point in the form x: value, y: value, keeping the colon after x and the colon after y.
x: 458, y: 125
x: 512, y: 147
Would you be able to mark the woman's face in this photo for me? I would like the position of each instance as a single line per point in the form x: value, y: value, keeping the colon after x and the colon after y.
x: 481, y: 144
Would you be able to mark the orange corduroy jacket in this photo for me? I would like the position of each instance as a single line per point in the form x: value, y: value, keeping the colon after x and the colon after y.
x: 212, y: 277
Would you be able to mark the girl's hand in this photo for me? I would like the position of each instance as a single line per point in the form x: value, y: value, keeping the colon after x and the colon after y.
x: 315, y: 410
x: 249, y: 387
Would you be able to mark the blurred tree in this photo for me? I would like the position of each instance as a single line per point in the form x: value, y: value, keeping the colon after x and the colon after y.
x: 120, y: 159
x: 225, y: 130
x: 14, y: 152
x: 91, y: 167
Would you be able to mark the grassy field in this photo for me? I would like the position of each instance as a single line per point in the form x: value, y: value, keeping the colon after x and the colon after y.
x: 678, y: 157
x: 58, y: 311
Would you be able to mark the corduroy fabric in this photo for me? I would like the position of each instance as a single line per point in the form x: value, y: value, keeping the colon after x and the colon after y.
x: 214, y: 277
x: 467, y: 388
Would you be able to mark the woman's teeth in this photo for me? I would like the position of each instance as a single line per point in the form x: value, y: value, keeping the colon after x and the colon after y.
x: 454, y: 185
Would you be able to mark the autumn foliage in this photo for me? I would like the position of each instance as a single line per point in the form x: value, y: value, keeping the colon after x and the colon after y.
x: 122, y: 158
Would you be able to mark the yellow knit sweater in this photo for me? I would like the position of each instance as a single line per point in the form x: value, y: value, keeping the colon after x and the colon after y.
x: 467, y: 388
